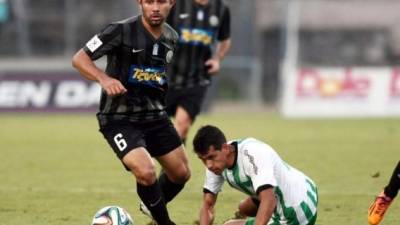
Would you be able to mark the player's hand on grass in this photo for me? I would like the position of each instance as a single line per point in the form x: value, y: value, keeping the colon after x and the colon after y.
x: 112, y: 86
x: 213, y: 66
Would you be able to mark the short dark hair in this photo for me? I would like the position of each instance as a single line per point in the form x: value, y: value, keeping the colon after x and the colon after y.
x: 206, y: 137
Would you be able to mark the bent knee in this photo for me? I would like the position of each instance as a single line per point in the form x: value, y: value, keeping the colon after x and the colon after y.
x: 242, y: 209
x: 235, y: 222
x: 186, y: 176
x: 181, y: 176
x: 146, y: 176
x: 247, y: 208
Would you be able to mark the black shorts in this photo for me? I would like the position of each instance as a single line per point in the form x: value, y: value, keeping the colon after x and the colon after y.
x: 190, y: 99
x: 157, y: 137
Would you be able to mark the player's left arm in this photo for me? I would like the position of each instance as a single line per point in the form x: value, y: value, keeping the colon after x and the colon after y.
x: 206, y: 216
x: 223, y: 46
x: 267, y: 205
x: 259, y: 164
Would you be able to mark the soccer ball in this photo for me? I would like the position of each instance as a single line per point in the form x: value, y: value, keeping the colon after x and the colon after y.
x: 112, y: 215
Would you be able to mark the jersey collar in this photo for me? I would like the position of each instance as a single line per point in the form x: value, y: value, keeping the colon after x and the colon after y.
x: 235, y: 148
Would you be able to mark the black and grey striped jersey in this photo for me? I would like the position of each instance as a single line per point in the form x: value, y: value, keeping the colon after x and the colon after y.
x: 140, y: 62
x: 198, y: 26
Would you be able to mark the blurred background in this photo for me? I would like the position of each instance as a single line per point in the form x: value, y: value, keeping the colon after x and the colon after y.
x: 289, y: 59
x: 303, y: 58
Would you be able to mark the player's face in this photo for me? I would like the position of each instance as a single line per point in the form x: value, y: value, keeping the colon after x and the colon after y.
x: 155, y: 11
x: 215, y: 160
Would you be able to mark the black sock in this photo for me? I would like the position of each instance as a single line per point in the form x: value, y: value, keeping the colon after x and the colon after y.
x: 169, y: 189
x: 393, y: 187
x: 152, y: 198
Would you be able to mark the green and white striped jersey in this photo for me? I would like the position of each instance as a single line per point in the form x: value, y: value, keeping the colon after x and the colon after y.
x: 257, y: 164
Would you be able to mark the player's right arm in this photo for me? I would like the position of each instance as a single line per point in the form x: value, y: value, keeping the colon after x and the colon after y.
x: 212, y: 186
x: 103, y: 43
x: 84, y: 64
x: 207, y: 208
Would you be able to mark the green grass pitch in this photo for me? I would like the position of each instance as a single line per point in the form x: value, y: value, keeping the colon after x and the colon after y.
x: 57, y: 169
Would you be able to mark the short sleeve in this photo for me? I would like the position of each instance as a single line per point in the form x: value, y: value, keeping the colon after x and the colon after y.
x: 224, y: 31
x: 104, y: 42
x: 213, y: 182
x: 259, y: 161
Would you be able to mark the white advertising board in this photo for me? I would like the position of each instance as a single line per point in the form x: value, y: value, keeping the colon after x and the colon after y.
x: 342, y: 92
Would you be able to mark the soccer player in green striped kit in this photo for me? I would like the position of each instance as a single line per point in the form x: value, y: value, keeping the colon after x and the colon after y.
x: 278, y: 193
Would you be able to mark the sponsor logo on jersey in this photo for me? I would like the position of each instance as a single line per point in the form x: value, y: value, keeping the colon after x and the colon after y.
x: 196, y: 36
x: 150, y: 76
x: 94, y: 43
x: 251, y: 160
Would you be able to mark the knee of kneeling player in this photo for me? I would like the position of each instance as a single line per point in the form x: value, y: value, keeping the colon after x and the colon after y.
x: 247, y: 209
x: 235, y: 222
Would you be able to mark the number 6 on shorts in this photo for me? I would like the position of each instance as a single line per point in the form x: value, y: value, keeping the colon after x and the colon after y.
x: 120, y: 142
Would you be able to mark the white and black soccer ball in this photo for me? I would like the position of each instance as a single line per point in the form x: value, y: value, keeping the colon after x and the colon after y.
x: 112, y: 215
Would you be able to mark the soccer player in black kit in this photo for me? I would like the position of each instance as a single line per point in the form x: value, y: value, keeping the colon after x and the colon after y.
x: 132, y: 116
x: 200, y: 24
